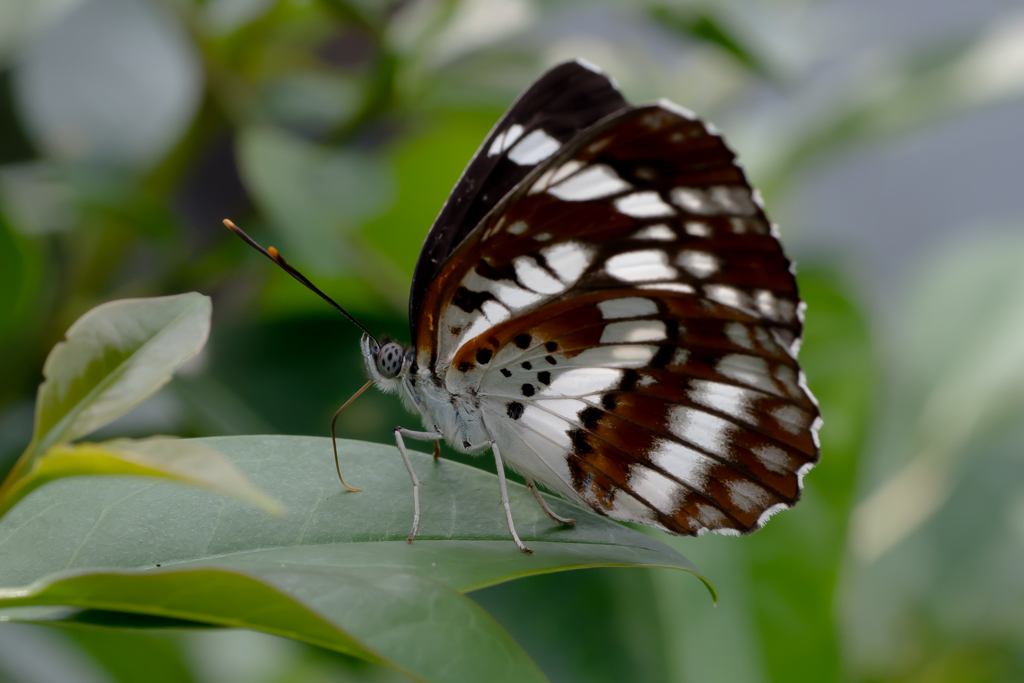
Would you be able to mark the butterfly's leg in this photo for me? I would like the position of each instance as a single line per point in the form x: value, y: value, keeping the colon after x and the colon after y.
x: 422, y: 436
x: 504, y: 498
x: 544, y: 506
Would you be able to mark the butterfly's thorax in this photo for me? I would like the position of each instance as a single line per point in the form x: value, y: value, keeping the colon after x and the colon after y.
x: 455, y: 415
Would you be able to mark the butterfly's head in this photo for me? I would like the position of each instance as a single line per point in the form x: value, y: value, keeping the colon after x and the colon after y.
x: 385, y: 361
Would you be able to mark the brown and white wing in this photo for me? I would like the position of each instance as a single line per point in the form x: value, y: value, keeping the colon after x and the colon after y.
x: 630, y: 326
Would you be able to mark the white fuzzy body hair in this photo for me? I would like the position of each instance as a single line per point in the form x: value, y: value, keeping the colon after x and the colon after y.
x: 456, y: 416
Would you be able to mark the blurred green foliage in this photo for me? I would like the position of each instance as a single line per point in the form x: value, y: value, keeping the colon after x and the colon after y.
x: 334, y: 129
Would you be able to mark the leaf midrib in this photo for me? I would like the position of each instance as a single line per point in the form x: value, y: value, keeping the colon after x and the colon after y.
x: 53, y: 434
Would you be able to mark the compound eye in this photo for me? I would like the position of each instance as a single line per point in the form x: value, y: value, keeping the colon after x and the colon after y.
x: 389, y: 360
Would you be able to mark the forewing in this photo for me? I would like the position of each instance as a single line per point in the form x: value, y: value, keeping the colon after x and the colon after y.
x: 564, y: 101
x: 629, y: 311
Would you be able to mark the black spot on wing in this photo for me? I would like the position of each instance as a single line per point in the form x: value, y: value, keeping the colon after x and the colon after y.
x: 468, y: 300
x: 629, y: 381
x: 590, y: 416
x: 522, y: 341
x: 579, y: 441
x: 663, y: 356
x: 515, y: 410
x: 544, y: 377
x: 528, y: 390
x: 506, y: 372
x: 483, y: 356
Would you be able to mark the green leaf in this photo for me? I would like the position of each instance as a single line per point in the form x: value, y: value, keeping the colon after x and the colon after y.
x: 314, y: 194
x: 115, y: 357
x: 341, y: 554
x: 711, y: 29
x: 418, y: 626
x: 189, y: 462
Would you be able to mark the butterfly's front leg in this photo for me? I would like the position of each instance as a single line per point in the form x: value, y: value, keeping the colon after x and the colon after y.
x: 544, y: 506
x: 504, y: 498
x: 421, y: 436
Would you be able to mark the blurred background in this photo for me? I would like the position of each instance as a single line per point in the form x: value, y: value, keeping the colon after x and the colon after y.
x: 886, y: 135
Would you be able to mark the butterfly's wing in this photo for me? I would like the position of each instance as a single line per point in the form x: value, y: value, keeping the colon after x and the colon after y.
x: 629, y: 325
x: 564, y: 101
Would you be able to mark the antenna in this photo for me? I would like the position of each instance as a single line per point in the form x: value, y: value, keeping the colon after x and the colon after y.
x: 276, y: 257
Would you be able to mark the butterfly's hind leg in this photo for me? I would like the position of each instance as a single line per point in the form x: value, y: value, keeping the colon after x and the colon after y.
x: 544, y: 506
x: 421, y: 436
x: 504, y: 498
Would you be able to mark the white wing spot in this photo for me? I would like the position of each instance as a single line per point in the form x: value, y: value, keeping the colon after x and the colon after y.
x: 634, y: 331
x: 749, y: 370
x: 680, y: 357
x: 791, y: 418
x: 598, y: 145
x: 518, y: 228
x: 543, y: 236
x: 513, y: 296
x: 643, y: 205
x: 536, y: 278
x: 728, y: 296
x: 733, y: 199
x: 739, y: 335
x: 620, y: 356
x: 660, y: 232
x: 773, y: 458
x: 568, y: 260
x: 700, y: 264
x: 630, y: 307
x: 787, y: 311
x: 640, y: 266
x: 628, y: 508
x: 746, y: 495
x: 592, y: 183
x: 693, y: 200
x: 565, y: 170
x: 534, y: 148
x: 697, y: 229
x: 685, y: 464
x: 755, y: 226
x: 583, y: 381
x: 680, y: 287
x: 656, y: 119
x: 788, y: 378
x: 661, y: 492
x: 701, y: 429
x: 505, y: 139
x: 725, y: 398
x: 494, y: 311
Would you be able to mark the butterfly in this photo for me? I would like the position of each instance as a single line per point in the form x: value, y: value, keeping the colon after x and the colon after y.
x: 604, y: 307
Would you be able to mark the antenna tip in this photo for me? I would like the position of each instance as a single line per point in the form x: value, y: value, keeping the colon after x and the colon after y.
x: 229, y: 225
x: 273, y: 253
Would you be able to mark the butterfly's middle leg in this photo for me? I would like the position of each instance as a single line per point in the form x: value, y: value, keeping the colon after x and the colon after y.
x: 504, y: 498
x: 544, y: 506
x: 421, y: 436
